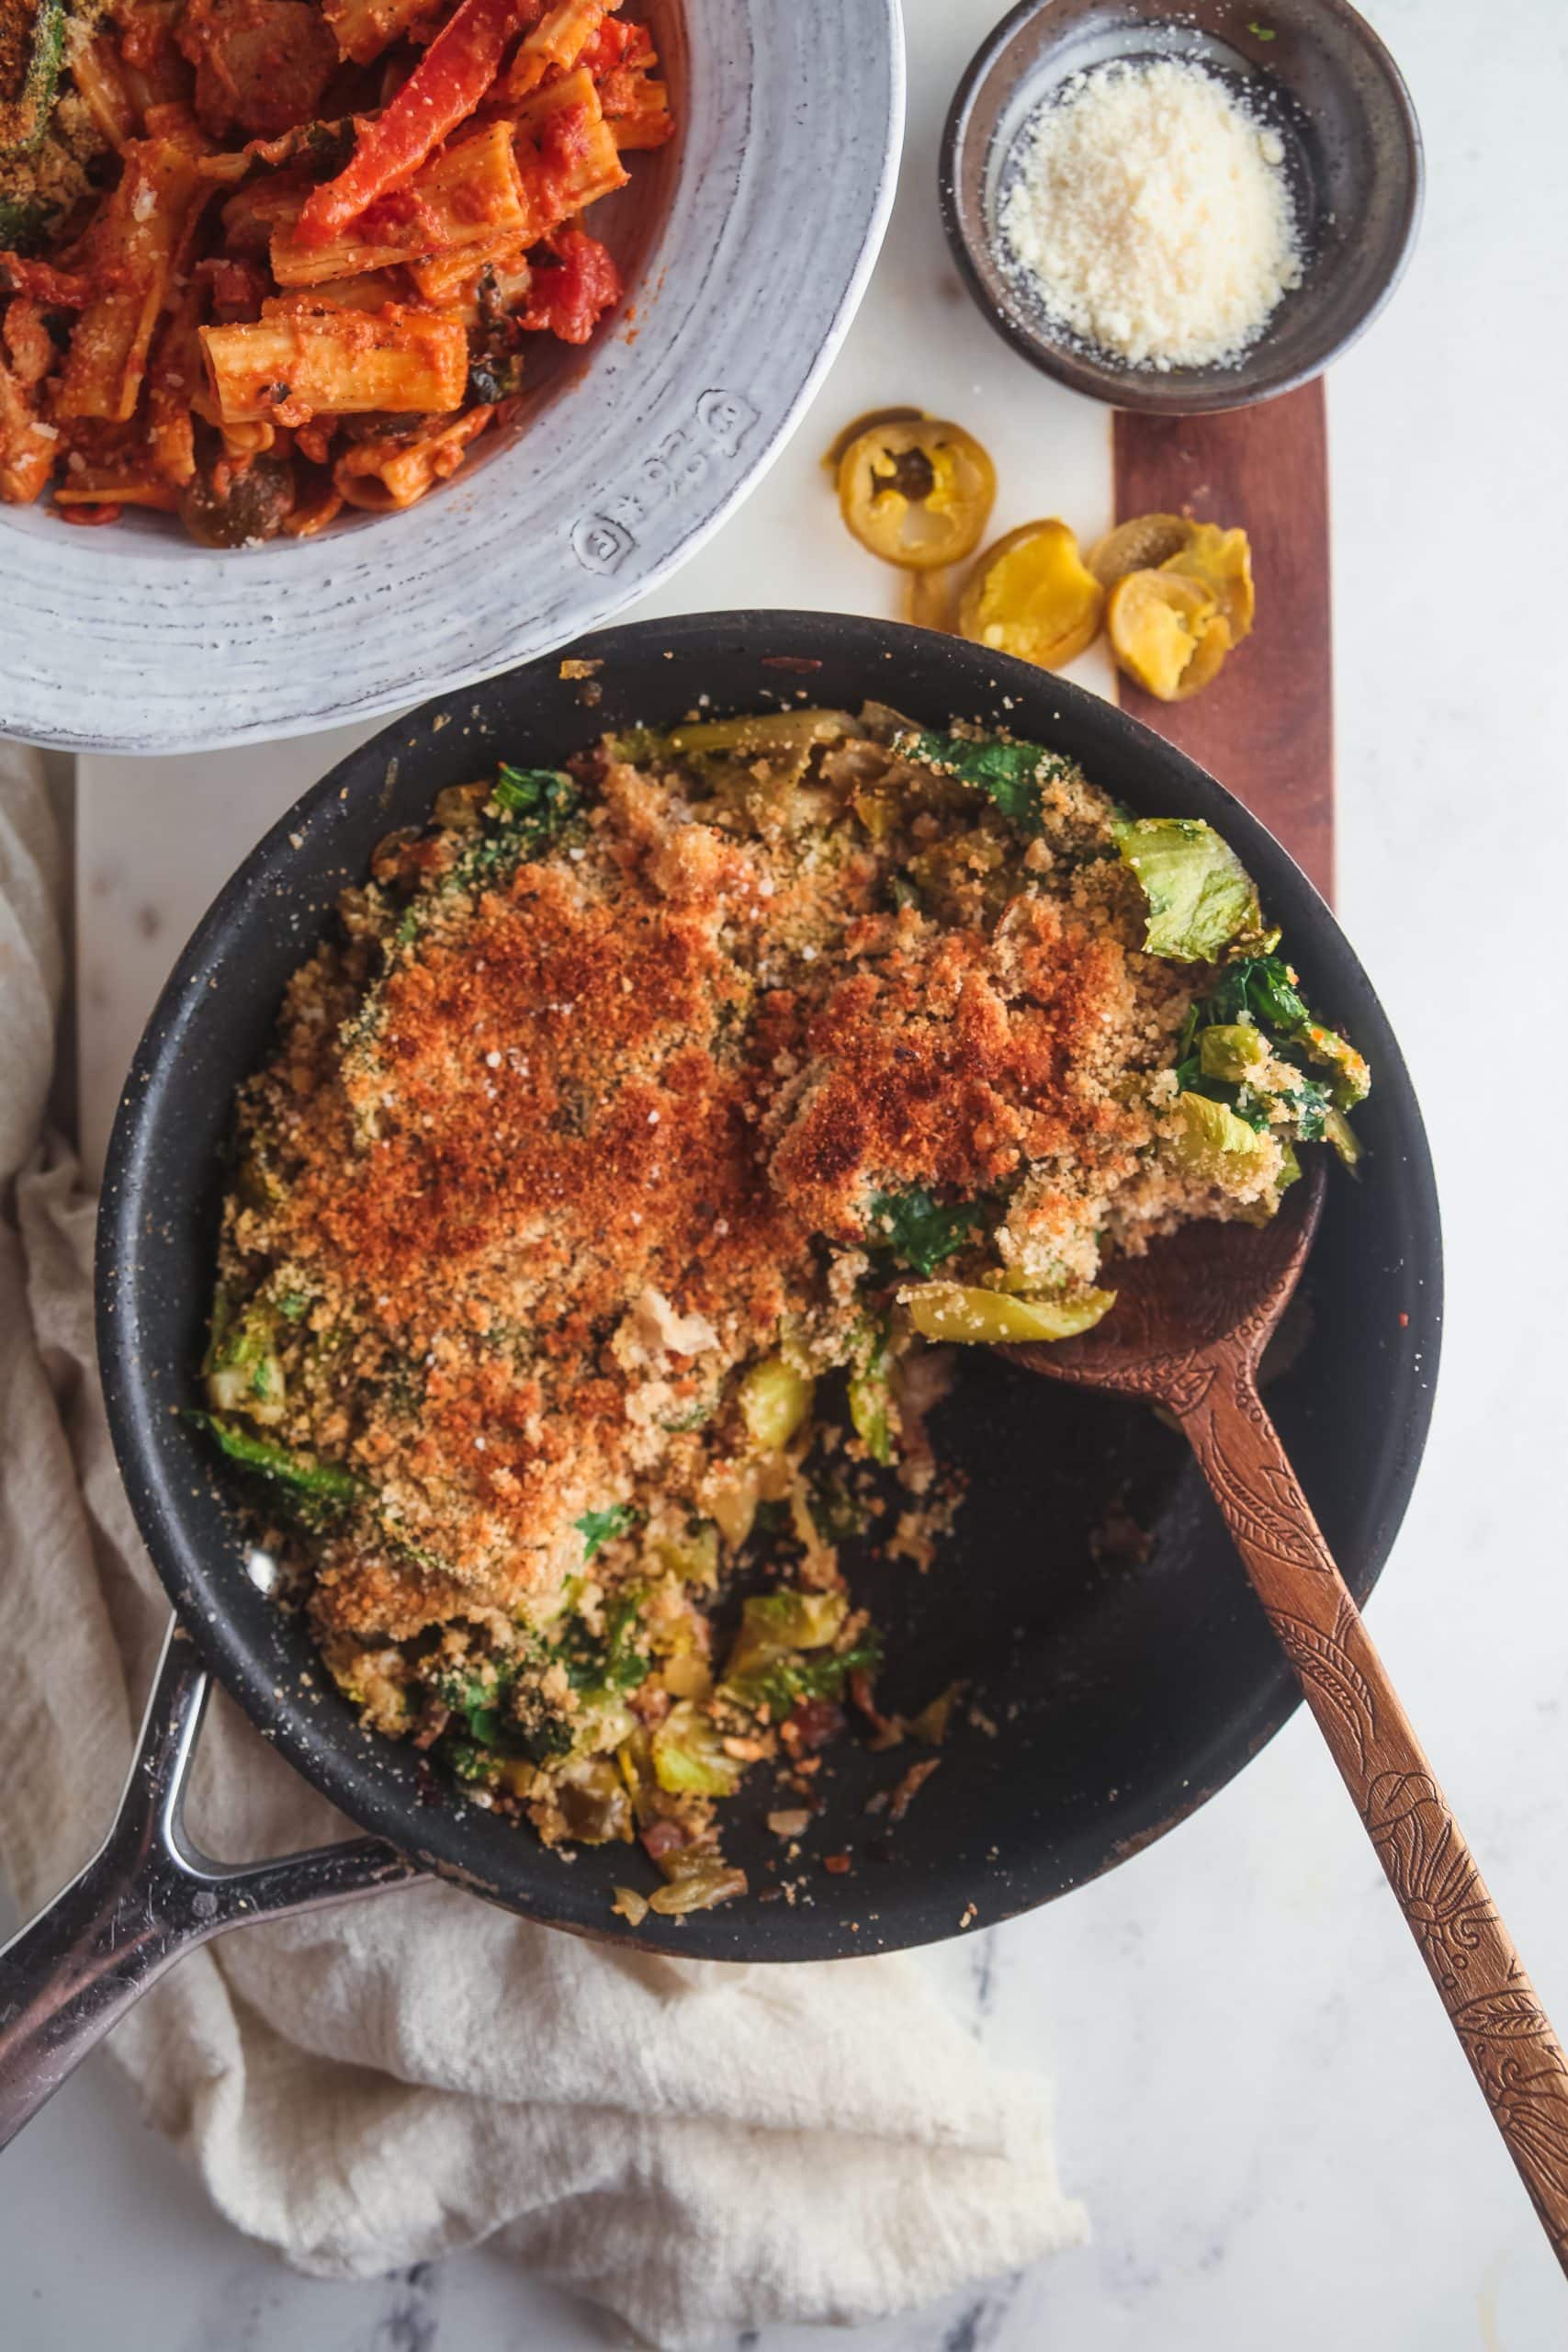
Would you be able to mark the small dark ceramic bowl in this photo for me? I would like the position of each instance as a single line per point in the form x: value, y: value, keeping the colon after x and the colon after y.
x: 1312, y: 70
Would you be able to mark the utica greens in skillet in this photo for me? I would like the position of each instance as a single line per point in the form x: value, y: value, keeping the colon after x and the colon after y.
x: 618, y: 1164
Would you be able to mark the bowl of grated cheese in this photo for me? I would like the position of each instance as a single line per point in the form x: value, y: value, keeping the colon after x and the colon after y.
x: 1182, y: 213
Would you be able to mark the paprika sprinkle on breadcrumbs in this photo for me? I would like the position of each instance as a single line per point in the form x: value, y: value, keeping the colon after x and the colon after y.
x: 615, y: 1159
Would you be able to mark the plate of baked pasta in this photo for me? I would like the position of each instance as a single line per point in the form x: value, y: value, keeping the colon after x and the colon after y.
x: 350, y: 348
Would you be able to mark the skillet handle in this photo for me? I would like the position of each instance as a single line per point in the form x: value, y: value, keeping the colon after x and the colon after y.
x: 147, y: 1896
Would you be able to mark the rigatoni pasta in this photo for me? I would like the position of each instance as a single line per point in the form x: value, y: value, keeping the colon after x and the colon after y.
x: 567, y: 152
x: 468, y: 195
x: 345, y: 363
x: 386, y: 472
x: 300, y: 259
x: 134, y: 245
x: 364, y: 28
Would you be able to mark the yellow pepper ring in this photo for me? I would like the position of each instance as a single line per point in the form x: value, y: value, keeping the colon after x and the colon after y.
x: 916, y: 493
x: 833, y: 458
x: 1032, y: 596
x: 1167, y: 632
x: 1220, y: 561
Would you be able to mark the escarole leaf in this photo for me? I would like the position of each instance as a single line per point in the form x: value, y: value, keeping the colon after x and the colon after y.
x: 1010, y: 774
x: 1254, y: 995
x: 870, y: 1392
x: 1199, y: 895
x: 1258, y: 988
x: 1213, y: 1143
x: 1337, y: 1130
x: 1231, y: 1050
x: 540, y: 803
x: 1351, y: 1078
x: 22, y: 222
x: 480, y: 1700
x: 783, y: 1654
x: 921, y: 1232
x: 313, y: 1489
x: 600, y: 1527
x: 608, y: 1661
x: 790, y: 1679
x: 689, y: 1758
x: 538, y: 809
x: 774, y: 1623
x: 241, y: 1368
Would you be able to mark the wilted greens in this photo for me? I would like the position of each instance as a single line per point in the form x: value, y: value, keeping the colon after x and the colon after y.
x: 921, y: 1232
x: 310, y: 1490
x: 1010, y: 774
x: 1200, y: 894
x: 1250, y: 1044
x: 600, y: 1527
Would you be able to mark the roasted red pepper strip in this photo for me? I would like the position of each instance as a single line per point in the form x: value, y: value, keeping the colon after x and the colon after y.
x: 446, y: 86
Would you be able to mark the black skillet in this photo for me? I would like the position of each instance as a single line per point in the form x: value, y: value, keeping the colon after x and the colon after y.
x: 1116, y: 1696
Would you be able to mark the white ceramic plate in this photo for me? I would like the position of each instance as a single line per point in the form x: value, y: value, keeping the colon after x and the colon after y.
x: 747, y: 243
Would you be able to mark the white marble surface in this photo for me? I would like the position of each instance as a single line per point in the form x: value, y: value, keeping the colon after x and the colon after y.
x: 1258, y: 2096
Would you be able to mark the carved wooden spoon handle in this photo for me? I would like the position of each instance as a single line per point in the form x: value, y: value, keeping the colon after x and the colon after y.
x: 1505, y: 2033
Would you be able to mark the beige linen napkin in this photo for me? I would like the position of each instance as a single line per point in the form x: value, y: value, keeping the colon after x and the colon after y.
x: 701, y: 2148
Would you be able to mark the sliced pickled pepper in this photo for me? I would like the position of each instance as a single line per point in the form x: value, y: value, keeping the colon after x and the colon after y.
x: 917, y: 492
x: 1220, y: 561
x: 833, y: 458
x: 1167, y: 631
x: 1141, y: 544
x: 1032, y: 595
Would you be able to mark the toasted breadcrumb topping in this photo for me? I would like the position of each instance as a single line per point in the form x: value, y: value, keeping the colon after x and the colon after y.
x: 599, y: 1147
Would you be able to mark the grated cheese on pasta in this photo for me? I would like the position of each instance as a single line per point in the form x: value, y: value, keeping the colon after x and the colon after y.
x: 1150, y: 214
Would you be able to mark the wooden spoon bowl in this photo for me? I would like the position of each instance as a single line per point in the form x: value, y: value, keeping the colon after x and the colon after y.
x: 1204, y: 1287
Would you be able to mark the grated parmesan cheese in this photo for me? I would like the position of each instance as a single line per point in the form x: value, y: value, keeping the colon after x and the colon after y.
x: 1148, y: 213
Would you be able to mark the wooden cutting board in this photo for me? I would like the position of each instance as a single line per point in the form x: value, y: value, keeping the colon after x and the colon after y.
x: 1265, y: 727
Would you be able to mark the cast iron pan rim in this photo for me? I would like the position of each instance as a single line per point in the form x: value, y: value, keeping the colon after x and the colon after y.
x: 343, y: 1768
x: 1099, y: 379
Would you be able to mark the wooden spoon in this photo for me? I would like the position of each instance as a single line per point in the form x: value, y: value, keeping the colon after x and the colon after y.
x: 1191, y: 1321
